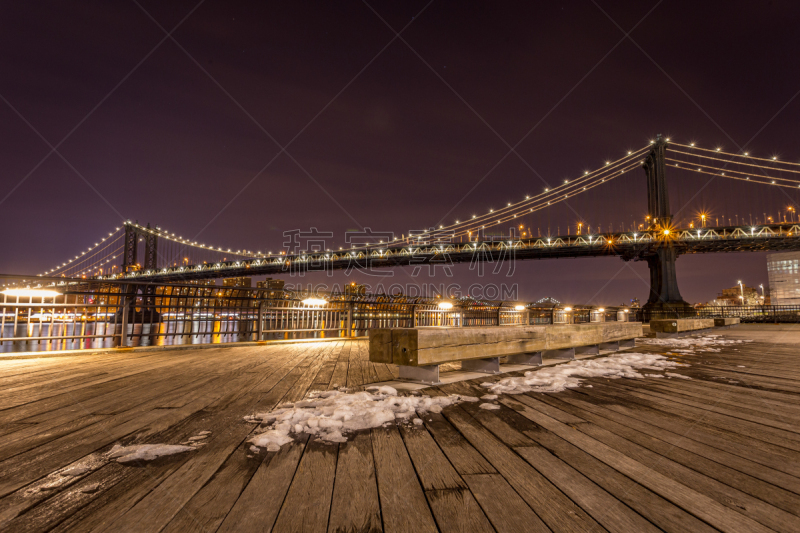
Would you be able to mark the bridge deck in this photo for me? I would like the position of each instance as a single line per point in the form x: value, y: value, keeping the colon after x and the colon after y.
x: 719, y: 451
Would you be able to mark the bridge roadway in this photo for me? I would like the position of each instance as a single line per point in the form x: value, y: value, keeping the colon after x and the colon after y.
x: 628, y: 246
x: 717, y: 452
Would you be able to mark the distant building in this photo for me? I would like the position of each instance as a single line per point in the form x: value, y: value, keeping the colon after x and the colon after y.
x: 270, y: 284
x: 237, y: 282
x: 355, y: 289
x: 739, y: 295
x: 783, y: 270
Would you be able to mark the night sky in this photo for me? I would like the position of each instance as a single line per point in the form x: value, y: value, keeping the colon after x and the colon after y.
x: 394, y: 133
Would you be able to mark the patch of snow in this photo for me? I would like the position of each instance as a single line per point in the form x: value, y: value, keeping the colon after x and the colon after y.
x: 145, y: 452
x: 254, y: 449
x: 489, y: 397
x: 417, y: 421
x: 206, y: 432
x: 468, y: 398
x: 76, y: 470
x: 489, y: 406
x: 560, y: 377
x: 654, y: 375
x: 674, y: 375
x: 329, y: 415
x: 198, y: 437
x: 693, y: 344
x: 92, y: 487
x: 740, y: 366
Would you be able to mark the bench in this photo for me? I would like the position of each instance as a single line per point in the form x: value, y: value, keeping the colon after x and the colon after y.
x: 727, y: 322
x: 419, y: 351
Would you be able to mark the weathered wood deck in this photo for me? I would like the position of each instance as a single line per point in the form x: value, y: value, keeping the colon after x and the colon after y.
x: 718, y: 452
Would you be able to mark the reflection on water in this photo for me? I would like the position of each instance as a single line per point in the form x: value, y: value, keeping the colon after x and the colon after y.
x: 106, y: 334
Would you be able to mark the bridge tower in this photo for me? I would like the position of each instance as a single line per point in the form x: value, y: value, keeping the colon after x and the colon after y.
x: 665, y: 298
x: 130, y: 252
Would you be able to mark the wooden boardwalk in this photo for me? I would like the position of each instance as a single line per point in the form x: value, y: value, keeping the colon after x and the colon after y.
x: 718, y: 452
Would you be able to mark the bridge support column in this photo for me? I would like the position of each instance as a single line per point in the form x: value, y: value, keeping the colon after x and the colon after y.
x: 665, y: 298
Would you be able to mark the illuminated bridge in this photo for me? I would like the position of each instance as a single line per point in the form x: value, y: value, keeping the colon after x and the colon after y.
x: 139, y: 253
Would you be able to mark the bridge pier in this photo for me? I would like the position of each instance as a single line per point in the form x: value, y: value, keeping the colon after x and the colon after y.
x: 665, y: 299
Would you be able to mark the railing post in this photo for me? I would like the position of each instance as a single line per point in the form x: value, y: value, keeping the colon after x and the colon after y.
x: 123, y: 340
x: 260, y: 325
x: 413, y: 316
x: 349, y: 319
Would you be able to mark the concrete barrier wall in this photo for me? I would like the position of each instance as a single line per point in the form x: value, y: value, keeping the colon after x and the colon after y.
x: 679, y: 325
x: 434, y: 346
x: 728, y: 321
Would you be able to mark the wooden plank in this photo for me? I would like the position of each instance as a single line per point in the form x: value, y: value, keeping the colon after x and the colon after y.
x: 552, y: 506
x: 206, y: 510
x: 464, y: 458
x: 740, y: 438
x: 506, y: 510
x: 433, y: 469
x: 403, y: 504
x: 700, y: 505
x: 709, y: 461
x: 602, y: 506
x: 457, y: 511
x: 308, y: 500
x: 355, y: 505
x: 659, y: 511
x: 261, y: 500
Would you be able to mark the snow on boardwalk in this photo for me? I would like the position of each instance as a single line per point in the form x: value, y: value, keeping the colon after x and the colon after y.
x: 151, y: 441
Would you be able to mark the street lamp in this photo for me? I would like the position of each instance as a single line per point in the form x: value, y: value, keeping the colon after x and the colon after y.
x: 741, y: 287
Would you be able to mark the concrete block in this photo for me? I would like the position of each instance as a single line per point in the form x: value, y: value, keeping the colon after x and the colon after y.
x: 560, y: 353
x: 587, y: 350
x: 680, y: 325
x: 612, y: 346
x: 533, y: 359
x: 729, y: 321
x: 627, y: 343
x: 487, y: 366
x: 421, y: 374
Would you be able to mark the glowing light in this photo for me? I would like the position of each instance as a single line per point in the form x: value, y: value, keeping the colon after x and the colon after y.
x: 445, y: 305
x: 666, y: 232
x: 567, y: 309
x: 601, y: 310
x: 519, y: 307
x: 35, y: 293
x: 314, y: 301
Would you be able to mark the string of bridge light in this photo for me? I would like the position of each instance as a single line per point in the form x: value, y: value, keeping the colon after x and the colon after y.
x: 93, y: 267
x: 544, y: 204
x: 743, y: 154
x: 733, y: 171
x: 92, y: 257
x: 739, y: 163
x: 688, y: 165
x: 559, y: 193
x: 719, y: 173
x: 583, y: 183
x: 68, y: 262
x: 178, y: 239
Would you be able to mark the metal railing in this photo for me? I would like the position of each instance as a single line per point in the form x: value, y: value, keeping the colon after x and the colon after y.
x: 747, y: 313
x: 96, y: 314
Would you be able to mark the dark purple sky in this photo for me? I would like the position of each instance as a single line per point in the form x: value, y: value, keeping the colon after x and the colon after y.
x: 391, y: 134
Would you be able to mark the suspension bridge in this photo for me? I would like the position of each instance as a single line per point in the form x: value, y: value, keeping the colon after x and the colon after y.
x: 141, y: 252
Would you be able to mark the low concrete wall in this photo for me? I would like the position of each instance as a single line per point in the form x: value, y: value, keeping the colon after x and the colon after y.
x: 437, y: 345
x: 679, y: 325
x: 729, y: 321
